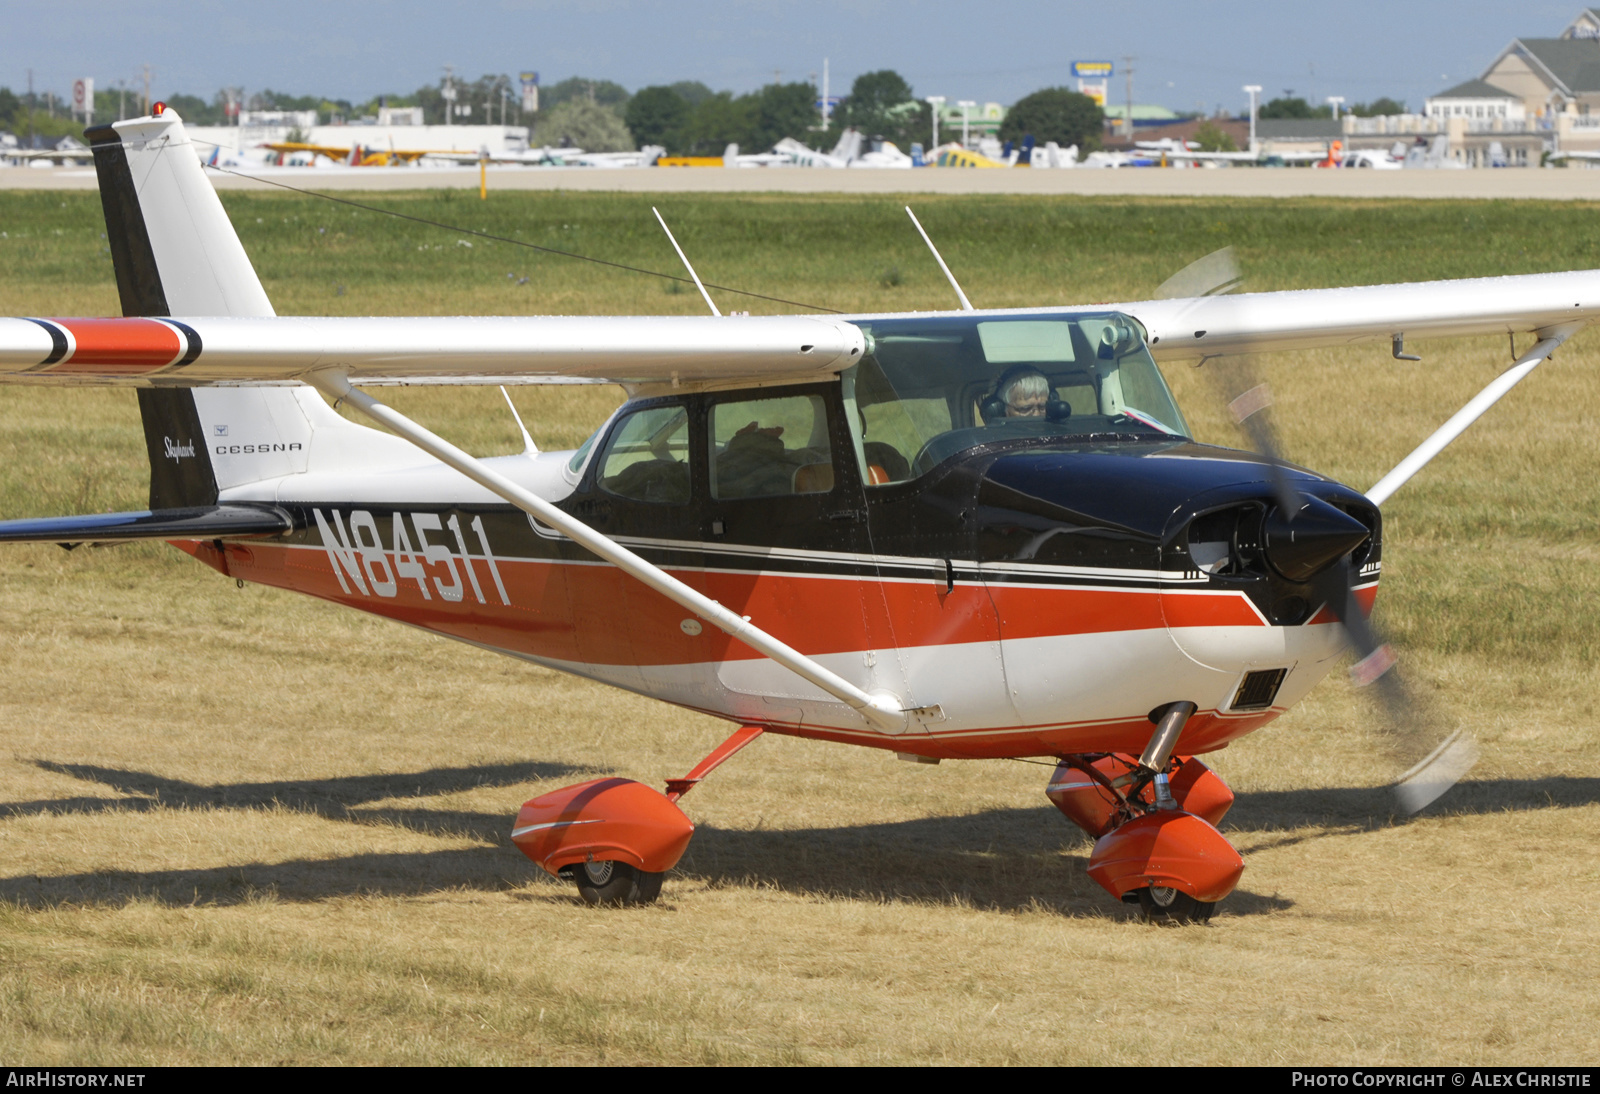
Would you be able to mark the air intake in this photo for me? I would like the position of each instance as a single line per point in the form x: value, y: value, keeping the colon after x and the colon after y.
x: 1259, y: 689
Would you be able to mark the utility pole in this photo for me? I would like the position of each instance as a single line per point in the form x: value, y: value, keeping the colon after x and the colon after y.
x: 448, y: 92
x: 1127, y: 121
x: 1253, y: 90
x: 30, y: 108
x: 147, y: 89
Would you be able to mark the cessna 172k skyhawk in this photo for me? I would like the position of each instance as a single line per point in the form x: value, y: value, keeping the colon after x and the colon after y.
x: 960, y: 535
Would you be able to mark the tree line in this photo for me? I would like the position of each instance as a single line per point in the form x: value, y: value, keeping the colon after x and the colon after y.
x: 1293, y: 106
x: 685, y: 118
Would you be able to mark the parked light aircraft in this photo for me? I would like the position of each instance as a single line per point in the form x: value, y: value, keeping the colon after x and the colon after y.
x: 971, y: 534
x: 845, y: 151
x: 354, y: 155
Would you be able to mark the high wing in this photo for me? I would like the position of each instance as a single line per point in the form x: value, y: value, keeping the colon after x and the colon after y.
x: 328, y: 151
x: 1310, y: 318
x: 197, y: 350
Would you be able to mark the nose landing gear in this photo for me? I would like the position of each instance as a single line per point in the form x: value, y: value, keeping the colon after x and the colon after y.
x: 1154, y: 822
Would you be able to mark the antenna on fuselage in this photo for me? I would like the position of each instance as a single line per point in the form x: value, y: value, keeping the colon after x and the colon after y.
x: 966, y: 305
x: 709, y: 302
x: 528, y: 447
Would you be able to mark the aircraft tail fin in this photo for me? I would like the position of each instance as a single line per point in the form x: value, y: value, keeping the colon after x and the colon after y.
x: 176, y: 253
x: 174, y: 249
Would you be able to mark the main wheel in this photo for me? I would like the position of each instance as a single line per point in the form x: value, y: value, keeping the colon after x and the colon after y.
x: 1166, y: 905
x: 611, y: 882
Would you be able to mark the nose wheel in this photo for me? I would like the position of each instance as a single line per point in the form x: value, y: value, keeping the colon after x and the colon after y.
x: 1162, y: 904
x: 609, y: 882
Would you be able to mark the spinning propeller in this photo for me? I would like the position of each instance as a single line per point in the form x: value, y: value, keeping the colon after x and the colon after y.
x: 1308, y: 540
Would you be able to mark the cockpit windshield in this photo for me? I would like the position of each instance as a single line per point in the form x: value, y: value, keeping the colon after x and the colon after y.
x: 929, y: 388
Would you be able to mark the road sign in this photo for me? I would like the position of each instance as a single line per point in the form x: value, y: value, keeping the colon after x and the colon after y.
x: 1091, y: 70
x: 83, y: 97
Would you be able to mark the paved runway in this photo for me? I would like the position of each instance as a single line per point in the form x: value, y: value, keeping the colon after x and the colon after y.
x: 1568, y: 184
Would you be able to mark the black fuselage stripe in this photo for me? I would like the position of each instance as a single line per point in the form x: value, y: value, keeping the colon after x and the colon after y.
x: 757, y: 560
x: 58, y: 343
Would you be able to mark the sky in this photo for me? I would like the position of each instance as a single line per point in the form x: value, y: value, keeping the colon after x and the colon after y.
x: 1188, y: 56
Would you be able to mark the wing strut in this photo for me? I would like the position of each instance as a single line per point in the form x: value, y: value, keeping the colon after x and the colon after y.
x: 1549, y: 339
x: 884, y: 712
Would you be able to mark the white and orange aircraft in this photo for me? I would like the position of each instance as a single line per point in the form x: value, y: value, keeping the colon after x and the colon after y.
x: 971, y: 534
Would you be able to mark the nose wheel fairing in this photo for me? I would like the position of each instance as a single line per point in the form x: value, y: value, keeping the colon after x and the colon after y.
x: 1148, y: 846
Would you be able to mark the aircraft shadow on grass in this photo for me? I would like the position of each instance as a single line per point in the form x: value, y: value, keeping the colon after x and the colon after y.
x: 339, y: 798
x: 1016, y: 858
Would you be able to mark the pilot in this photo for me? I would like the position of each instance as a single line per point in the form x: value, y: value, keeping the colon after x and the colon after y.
x: 1022, y: 392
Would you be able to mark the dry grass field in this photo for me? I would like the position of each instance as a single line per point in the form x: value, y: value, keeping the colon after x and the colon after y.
x: 241, y: 827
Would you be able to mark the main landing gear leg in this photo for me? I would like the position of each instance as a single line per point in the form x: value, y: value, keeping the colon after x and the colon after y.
x: 677, y: 788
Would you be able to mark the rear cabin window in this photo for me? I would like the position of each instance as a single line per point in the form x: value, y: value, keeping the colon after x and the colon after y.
x: 764, y: 448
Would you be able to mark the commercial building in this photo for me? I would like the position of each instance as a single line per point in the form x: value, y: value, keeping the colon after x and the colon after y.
x: 1537, y: 95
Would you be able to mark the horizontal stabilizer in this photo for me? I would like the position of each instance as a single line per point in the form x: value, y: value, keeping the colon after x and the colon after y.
x: 200, y: 522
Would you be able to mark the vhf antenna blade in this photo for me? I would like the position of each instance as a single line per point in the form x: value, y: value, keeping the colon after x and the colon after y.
x: 528, y: 447
x: 966, y: 305
x: 685, y: 258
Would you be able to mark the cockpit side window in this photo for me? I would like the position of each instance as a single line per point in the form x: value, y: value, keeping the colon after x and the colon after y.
x: 647, y: 456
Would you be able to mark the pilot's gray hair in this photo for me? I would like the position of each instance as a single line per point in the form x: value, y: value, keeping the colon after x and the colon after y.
x: 1028, y: 385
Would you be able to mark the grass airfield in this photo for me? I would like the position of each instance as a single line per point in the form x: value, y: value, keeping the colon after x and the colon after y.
x: 242, y: 827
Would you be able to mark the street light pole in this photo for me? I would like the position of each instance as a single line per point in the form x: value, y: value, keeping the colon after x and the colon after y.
x: 966, y: 105
x: 935, y: 101
x: 1127, y: 73
x: 1253, y: 90
x: 1334, y: 101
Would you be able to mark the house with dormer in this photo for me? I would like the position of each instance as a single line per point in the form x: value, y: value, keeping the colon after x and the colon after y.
x: 1538, y: 78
